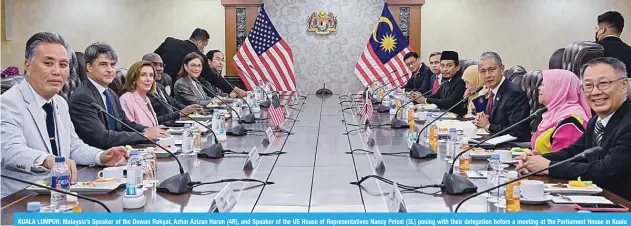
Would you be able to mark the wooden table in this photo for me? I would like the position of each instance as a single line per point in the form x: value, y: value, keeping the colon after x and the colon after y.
x: 313, y: 176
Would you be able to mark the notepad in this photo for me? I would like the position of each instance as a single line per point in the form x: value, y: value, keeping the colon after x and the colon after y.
x: 584, y: 199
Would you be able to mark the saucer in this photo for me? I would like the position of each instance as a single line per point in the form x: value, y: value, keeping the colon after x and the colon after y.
x: 536, y: 201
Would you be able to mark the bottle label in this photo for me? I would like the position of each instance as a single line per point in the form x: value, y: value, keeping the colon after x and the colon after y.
x: 516, y: 192
x: 61, y: 181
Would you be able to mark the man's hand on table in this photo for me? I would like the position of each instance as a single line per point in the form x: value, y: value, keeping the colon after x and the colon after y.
x: 114, y: 156
x: 49, y: 162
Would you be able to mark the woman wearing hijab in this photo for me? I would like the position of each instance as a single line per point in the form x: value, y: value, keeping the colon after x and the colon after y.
x: 473, y: 80
x: 567, y: 114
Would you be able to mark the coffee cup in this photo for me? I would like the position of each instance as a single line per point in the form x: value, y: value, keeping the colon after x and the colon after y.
x: 505, y: 155
x: 532, y: 189
x: 422, y: 116
x: 469, y: 131
x: 112, y: 172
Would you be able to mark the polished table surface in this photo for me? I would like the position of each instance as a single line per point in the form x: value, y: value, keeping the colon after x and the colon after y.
x: 313, y: 176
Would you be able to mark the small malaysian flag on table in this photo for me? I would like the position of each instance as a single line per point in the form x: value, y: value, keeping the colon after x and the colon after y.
x: 276, y: 112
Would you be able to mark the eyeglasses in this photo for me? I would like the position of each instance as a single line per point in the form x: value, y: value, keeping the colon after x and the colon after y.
x: 411, y: 63
x: 490, y: 70
x: 195, y: 66
x: 588, y: 87
x: 157, y: 64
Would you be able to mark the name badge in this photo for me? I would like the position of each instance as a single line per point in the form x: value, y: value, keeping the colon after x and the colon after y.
x: 269, y: 137
x: 395, y: 200
x: 379, y: 165
x: 225, y: 200
x: 253, y: 159
x: 370, y: 136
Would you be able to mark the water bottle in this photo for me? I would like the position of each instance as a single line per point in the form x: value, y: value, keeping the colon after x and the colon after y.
x: 221, y: 130
x: 33, y: 207
x: 451, y: 143
x: 187, y: 139
x: 492, y: 175
x: 425, y: 133
x: 134, y: 172
x: 60, y: 180
x: 393, y: 106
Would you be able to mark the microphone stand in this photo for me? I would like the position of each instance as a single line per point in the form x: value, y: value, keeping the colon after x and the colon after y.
x: 177, y: 184
x: 266, y: 102
x: 454, y: 184
x: 419, y: 151
x: 57, y: 190
x: 579, y: 156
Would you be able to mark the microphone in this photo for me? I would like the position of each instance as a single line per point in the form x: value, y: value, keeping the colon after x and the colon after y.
x: 177, y: 184
x: 249, y: 118
x: 378, y: 101
x: 266, y: 102
x: 57, y: 190
x: 237, y: 130
x: 421, y: 151
x: 400, y: 124
x: 579, y: 156
x: 455, y: 184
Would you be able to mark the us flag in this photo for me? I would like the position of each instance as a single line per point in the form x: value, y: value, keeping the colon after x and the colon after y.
x: 382, y: 60
x: 265, y: 56
x: 275, y: 112
x: 366, y: 110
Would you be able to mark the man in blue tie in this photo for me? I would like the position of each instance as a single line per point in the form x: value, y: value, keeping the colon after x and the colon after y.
x: 35, y: 122
x: 95, y: 127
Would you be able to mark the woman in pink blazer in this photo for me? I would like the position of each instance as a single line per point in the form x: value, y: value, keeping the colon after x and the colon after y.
x: 139, y: 81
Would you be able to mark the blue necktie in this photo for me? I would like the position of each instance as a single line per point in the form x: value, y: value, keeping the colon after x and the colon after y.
x: 50, y: 126
x: 108, y: 105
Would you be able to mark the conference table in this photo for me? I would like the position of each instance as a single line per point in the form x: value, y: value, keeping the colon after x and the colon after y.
x: 313, y: 175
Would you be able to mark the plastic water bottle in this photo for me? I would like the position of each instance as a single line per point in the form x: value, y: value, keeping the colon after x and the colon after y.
x: 187, y: 139
x: 425, y: 133
x: 221, y: 130
x: 60, y: 180
x: 451, y: 143
x: 134, y: 169
x: 493, y: 176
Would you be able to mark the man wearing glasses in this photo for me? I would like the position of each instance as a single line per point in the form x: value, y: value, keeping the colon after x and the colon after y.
x: 507, y: 103
x: 605, y: 87
x: 419, y: 82
x: 216, y: 62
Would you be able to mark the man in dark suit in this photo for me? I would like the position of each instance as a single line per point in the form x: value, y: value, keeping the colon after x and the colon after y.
x: 419, y: 82
x: 174, y: 50
x: 453, y: 87
x: 434, y: 66
x: 94, y: 127
x: 605, y: 86
x: 610, y: 25
x: 508, y: 103
x: 161, y: 78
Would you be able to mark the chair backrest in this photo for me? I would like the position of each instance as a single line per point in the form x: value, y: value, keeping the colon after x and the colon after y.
x: 556, y: 60
x: 73, y: 80
x: 466, y: 63
x: 81, y: 66
x: 119, y: 81
x: 8, y: 82
x: 530, y: 84
x: 515, y: 74
x: 579, y: 53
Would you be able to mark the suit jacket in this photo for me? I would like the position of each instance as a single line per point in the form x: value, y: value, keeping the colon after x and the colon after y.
x: 510, y: 106
x: 450, y: 94
x: 91, y: 124
x: 173, y: 52
x: 420, y: 80
x: 24, y: 136
x: 138, y: 110
x: 186, y: 93
x: 166, y: 81
x: 608, y: 169
x: 165, y: 113
x: 616, y: 48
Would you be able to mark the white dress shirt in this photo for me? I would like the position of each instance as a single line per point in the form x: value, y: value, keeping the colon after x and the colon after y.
x: 101, y: 89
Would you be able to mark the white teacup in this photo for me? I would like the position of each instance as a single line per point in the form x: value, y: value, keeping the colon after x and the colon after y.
x: 422, y: 115
x: 113, y: 172
x: 505, y: 155
x: 167, y: 141
x: 469, y: 132
x: 532, y: 189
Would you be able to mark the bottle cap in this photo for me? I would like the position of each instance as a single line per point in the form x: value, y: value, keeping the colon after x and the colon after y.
x: 452, y: 129
x: 71, y: 198
x: 60, y: 159
x: 33, y: 206
x: 495, y: 156
x: 133, y: 152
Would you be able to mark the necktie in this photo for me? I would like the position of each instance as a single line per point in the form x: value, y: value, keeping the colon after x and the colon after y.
x: 435, y: 86
x: 50, y: 126
x: 108, y: 105
x: 491, y: 100
x: 599, y: 131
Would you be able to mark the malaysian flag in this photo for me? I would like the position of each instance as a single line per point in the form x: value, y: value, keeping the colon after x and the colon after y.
x: 275, y: 112
x: 265, y: 56
x: 383, y: 56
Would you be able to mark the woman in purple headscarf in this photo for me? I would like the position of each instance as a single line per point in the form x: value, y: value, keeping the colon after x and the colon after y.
x: 567, y: 114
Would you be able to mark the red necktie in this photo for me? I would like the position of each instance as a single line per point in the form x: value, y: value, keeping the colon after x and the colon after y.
x: 436, y: 84
x: 491, y: 98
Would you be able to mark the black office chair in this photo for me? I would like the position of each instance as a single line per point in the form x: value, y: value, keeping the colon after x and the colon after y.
x: 530, y: 85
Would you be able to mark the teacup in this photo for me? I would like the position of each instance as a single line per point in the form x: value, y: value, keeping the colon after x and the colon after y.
x: 117, y: 173
x: 532, y: 189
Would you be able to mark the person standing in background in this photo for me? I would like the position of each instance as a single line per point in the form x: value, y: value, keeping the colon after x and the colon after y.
x: 608, y: 31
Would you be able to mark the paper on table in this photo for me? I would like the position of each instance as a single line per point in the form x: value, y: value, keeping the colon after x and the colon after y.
x: 477, y: 174
x: 501, y: 139
x: 585, y: 199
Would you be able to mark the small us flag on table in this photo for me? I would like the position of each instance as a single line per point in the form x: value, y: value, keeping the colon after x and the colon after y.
x: 366, y: 110
x: 275, y: 112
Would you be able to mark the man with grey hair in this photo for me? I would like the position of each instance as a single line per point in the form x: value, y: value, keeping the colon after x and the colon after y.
x: 158, y: 65
x: 507, y: 103
x: 605, y: 88
x: 36, y: 126
x: 94, y: 126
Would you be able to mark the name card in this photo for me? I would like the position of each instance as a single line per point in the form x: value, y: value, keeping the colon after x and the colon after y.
x: 395, y: 200
x: 253, y: 159
x: 370, y: 137
x: 379, y: 165
x: 269, y: 137
x: 225, y: 200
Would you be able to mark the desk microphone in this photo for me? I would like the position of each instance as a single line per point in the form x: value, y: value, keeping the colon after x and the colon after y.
x: 266, y: 102
x: 378, y: 101
x: 177, y: 184
x: 57, y: 190
x: 579, y: 156
x: 237, y: 130
x: 421, y: 151
x: 249, y: 118
x: 454, y: 184
x: 400, y: 124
